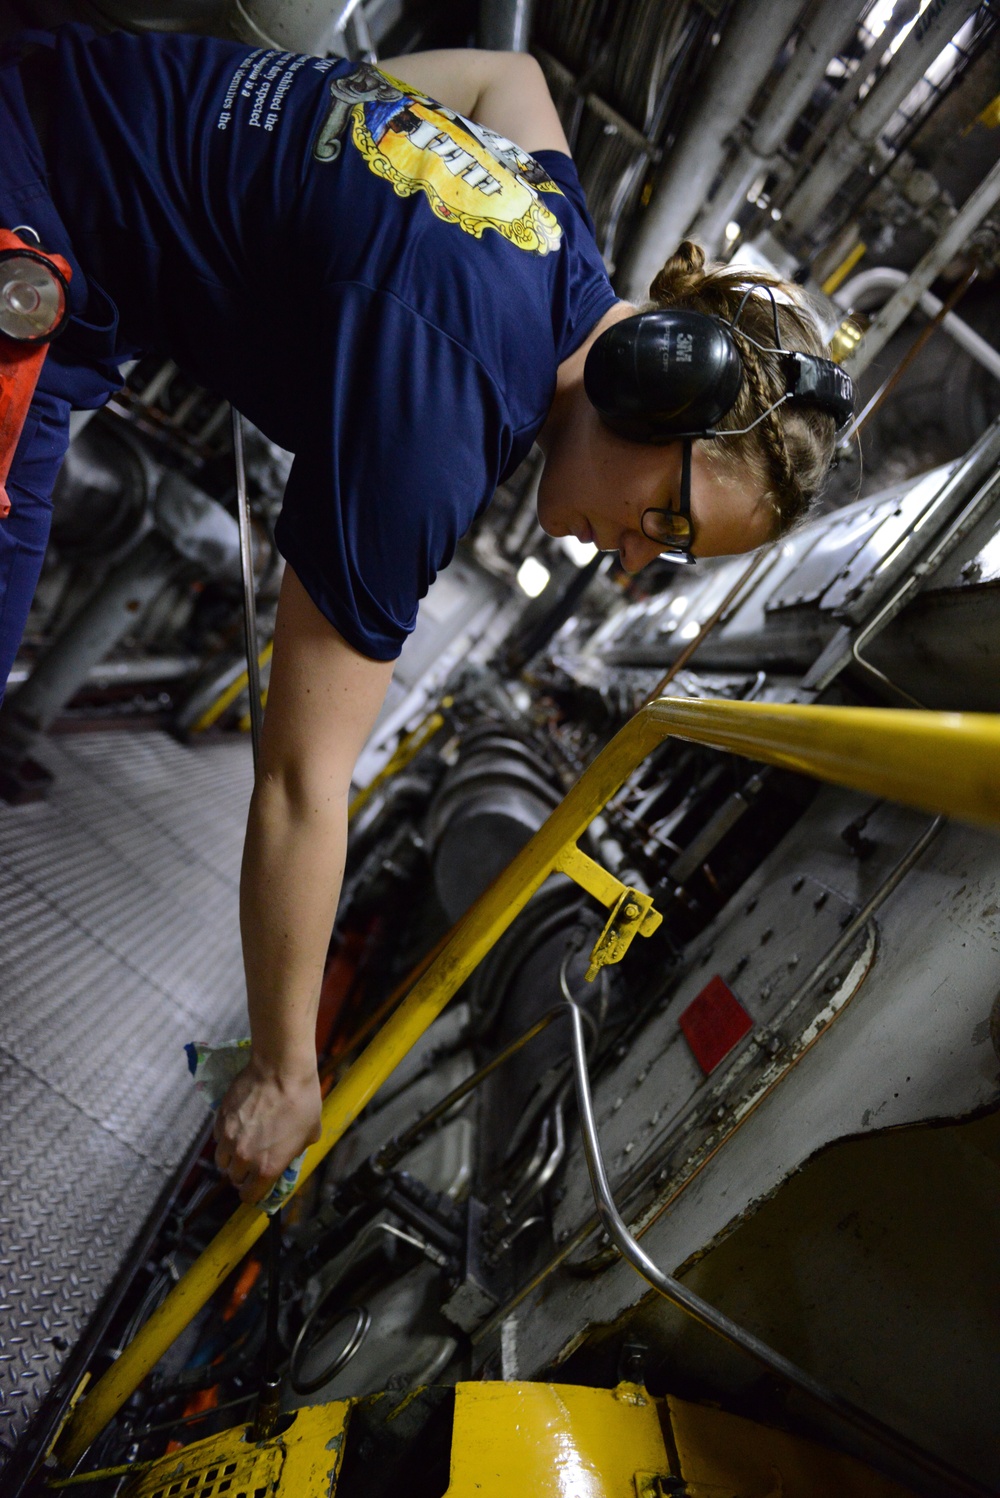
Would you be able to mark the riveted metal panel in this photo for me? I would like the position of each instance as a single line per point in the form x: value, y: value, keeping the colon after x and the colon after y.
x: 900, y: 519
x: 658, y: 1091
x: 836, y: 544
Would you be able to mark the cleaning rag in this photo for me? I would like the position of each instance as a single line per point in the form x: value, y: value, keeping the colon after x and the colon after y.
x: 214, y: 1067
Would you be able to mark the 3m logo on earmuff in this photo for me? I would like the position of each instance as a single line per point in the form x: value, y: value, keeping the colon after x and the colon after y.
x: 672, y: 373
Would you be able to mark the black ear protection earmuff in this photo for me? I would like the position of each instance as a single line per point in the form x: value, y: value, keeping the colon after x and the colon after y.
x: 672, y: 373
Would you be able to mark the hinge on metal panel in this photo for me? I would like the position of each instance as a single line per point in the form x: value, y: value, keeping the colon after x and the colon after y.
x: 631, y: 911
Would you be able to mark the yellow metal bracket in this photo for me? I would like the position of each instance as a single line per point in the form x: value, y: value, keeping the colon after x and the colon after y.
x: 938, y: 762
x: 632, y: 912
x: 406, y: 750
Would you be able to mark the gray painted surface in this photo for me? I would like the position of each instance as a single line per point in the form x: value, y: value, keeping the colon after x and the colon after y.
x: 912, y: 1045
x: 119, y: 943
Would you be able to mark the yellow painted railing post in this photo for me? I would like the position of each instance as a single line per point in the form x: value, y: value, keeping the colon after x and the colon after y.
x: 947, y: 763
x: 406, y: 750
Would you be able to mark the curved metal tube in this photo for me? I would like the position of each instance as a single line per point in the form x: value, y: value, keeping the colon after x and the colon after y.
x: 716, y: 1321
x: 938, y: 762
x: 888, y: 278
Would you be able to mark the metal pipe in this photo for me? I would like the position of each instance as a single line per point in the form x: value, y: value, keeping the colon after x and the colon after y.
x: 882, y: 277
x: 505, y: 25
x: 709, y: 1316
x: 976, y: 207
x: 744, y: 58
x: 269, y: 1397
x: 114, y: 608
x: 623, y: 127
x: 249, y: 591
x: 822, y: 37
x: 939, y: 762
x: 390, y: 1154
x: 903, y: 12
x: 926, y: 333
x: 135, y: 671
x: 849, y: 147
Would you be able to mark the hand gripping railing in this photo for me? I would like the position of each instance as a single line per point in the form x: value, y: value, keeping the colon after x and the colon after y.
x: 946, y: 763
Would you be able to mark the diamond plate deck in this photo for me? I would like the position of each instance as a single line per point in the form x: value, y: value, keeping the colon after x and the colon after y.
x: 119, y: 941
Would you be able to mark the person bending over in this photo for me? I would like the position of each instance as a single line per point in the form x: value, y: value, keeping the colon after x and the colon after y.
x: 366, y: 264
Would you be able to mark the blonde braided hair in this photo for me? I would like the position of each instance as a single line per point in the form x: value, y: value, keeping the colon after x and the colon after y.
x: 788, y: 453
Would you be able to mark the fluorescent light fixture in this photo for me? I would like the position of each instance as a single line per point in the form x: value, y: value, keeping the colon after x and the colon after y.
x: 690, y: 629
x: 532, y: 576
x: 579, y: 552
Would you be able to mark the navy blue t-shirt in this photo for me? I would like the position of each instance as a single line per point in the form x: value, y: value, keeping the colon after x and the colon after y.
x: 384, y: 288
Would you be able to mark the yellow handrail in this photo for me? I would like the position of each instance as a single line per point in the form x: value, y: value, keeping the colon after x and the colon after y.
x: 939, y: 762
x: 229, y: 694
x: 407, y: 749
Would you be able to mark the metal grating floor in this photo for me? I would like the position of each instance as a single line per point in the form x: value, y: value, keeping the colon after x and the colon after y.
x: 119, y: 942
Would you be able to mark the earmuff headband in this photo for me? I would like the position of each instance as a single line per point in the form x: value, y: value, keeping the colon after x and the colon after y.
x: 671, y: 373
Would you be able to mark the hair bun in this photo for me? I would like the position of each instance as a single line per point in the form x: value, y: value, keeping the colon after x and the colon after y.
x: 682, y: 274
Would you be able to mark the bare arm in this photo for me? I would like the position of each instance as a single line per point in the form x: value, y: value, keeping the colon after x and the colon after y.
x: 505, y: 91
x: 322, y: 701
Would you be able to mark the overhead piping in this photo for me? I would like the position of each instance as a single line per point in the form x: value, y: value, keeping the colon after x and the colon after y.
x: 745, y: 57
x: 885, y: 277
x: 976, y: 207
x: 851, y: 144
x: 822, y: 37
x: 505, y: 25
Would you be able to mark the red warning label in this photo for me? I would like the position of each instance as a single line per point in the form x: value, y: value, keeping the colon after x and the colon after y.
x: 713, y: 1022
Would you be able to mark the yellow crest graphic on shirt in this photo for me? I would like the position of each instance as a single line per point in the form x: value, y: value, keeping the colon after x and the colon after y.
x: 471, y: 176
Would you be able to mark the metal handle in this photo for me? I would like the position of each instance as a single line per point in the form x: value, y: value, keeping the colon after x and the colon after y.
x: 249, y: 591
x: 939, y: 762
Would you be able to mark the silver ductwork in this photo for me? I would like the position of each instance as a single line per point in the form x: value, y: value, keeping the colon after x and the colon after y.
x: 822, y: 37
x: 505, y: 25
x: 744, y: 58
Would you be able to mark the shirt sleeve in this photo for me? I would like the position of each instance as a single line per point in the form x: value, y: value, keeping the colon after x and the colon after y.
x: 406, y: 437
x: 562, y: 169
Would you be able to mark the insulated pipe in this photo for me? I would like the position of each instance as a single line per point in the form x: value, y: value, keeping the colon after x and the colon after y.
x: 830, y: 121
x: 742, y: 62
x: 830, y: 27
x: 108, y: 614
x: 886, y: 277
x: 851, y: 145
x: 976, y: 207
x: 505, y: 25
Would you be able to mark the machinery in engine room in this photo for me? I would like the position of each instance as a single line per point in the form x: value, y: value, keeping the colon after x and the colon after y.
x: 780, y: 994
x: 785, y: 1072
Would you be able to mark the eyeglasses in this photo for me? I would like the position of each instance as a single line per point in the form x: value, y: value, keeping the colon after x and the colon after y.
x: 672, y: 529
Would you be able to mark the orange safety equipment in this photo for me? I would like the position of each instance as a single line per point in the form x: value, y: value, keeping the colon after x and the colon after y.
x: 34, y: 307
